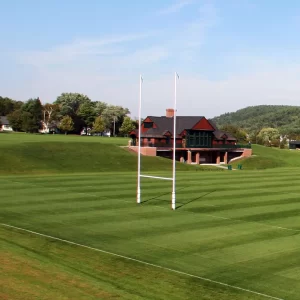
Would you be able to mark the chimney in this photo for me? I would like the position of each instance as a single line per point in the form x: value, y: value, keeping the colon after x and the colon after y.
x: 169, y: 112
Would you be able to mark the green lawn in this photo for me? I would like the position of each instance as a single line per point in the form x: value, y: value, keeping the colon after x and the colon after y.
x: 267, y: 157
x: 238, y: 228
x: 51, y: 154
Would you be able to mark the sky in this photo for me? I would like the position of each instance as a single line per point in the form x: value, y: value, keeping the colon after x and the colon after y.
x: 228, y: 54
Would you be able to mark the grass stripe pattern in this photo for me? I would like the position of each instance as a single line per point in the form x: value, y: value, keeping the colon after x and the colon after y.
x: 242, y: 229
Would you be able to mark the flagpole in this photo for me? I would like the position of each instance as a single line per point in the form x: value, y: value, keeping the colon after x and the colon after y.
x: 174, y: 145
x: 139, y: 147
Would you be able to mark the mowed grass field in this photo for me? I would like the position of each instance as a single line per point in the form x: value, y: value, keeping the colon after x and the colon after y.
x: 234, y: 235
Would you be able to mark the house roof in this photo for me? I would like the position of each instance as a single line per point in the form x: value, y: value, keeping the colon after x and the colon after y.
x: 4, y: 120
x: 219, y: 133
x: 166, y: 124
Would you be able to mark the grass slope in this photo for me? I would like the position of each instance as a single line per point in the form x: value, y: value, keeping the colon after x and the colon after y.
x: 46, y: 154
x: 266, y: 157
x: 242, y: 230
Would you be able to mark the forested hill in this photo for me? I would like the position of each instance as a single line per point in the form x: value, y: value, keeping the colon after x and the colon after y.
x: 253, y: 118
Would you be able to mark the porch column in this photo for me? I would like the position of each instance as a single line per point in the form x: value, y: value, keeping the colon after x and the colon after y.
x: 226, y: 158
x: 181, y: 159
x: 197, y: 158
x: 218, y: 158
x: 189, y: 157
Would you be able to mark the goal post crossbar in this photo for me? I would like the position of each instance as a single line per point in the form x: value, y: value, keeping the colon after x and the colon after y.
x: 157, y: 177
x: 173, y: 179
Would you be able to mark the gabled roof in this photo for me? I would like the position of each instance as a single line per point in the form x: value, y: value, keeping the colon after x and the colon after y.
x: 4, y: 120
x: 219, y: 135
x: 165, y: 124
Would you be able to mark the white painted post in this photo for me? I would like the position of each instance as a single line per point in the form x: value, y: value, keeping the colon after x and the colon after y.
x: 174, y: 146
x: 139, y: 151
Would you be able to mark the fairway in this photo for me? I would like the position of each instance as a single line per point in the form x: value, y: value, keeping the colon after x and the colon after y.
x: 237, y: 228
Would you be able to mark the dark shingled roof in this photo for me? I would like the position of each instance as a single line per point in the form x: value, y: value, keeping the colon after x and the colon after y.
x: 219, y: 133
x: 165, y: 124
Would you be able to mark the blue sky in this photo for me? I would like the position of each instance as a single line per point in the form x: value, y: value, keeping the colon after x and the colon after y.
x: 229, y: 54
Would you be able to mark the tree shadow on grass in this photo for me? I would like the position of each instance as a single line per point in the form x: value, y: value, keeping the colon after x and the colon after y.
x: 194, y: 199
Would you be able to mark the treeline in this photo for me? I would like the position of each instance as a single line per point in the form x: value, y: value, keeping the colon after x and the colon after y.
x: 265, y: 124
x: 268, y: 136
x: 69, y: 113
x: 286, y: 119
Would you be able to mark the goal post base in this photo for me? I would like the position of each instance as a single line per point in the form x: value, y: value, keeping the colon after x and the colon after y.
x: 173, y: 201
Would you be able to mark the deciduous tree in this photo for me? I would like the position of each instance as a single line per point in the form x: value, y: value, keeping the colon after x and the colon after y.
x: 8, y: 105
x: 34, y: 108
x: 98, y: 125
x: 127, y: 126
x: 29, y: 123
x: 113, y: 117
x: 15, y: 120
x: 69, y: 103
x: 267, y: 136
x: 236, y: 131
x: 87, y: 113
x: 50, y: 112
x: 66, y: 124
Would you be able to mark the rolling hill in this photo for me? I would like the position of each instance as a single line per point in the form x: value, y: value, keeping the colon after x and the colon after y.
x: 23, y: 153
x: 253, y: 118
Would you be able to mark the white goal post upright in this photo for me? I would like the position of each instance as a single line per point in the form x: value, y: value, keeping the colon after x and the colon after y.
x: 173, y: 179
x: 139, y: 151
x: 174, y: 145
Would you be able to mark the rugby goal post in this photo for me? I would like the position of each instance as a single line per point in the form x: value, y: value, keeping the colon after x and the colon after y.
x: 173, y: 178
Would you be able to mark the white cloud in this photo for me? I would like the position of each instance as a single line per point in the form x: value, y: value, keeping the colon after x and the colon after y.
x: 276, y: 84
x: 80, y: 49
x: 175, y: 7
x: 108, y: 69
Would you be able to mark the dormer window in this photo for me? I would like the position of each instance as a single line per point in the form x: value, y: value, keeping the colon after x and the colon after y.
x: 148, y: 124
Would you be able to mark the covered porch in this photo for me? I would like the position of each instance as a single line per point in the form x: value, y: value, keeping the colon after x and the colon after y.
x: 201, y: 156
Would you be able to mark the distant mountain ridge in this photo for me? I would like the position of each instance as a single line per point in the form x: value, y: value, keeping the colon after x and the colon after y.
x: 253, y: 118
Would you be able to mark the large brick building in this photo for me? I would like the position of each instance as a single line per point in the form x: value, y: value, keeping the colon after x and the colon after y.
x: 198, y: 140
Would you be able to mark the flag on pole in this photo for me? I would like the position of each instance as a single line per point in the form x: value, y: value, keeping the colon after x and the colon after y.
x: 177, y: 75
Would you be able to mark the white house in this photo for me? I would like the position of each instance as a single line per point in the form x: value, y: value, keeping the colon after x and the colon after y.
x: 5, y: 124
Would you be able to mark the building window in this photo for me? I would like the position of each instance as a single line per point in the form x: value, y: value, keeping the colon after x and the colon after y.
x: 148, y: 124
x: 200, y: 139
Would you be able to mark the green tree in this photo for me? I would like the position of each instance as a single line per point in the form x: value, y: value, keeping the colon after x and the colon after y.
x: 7, y: 106
x: 268, y: 137
x: 28, y: 122
x: 66, y: 124
x: 69, y: 104
x: 113, y: 117
x: 32, y: 109
x: 15, y: 120
x: 235, y: 131
x: 87, y: 113
x: 127, y: 126
x: 100, y: 107
x: 98, y: 125
x: 50, y: 113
